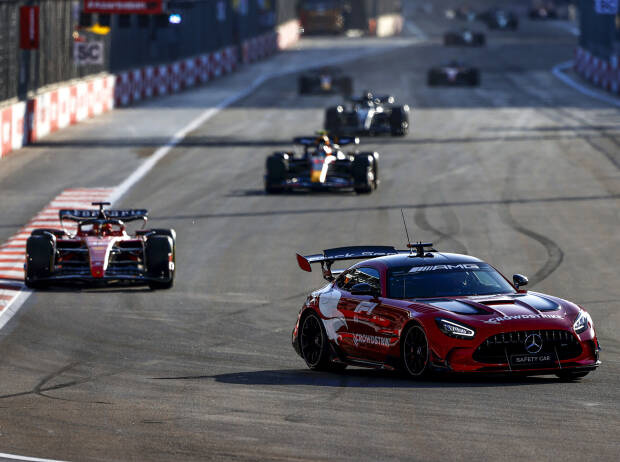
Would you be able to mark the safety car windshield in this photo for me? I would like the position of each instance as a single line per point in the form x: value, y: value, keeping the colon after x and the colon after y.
x: 447, y: 280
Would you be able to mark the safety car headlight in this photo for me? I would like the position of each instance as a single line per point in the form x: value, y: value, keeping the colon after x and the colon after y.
x: 582, y: 322
x: 455, y: 329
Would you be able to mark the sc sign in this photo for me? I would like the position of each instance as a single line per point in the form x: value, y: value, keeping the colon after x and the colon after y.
x: 606, y: 6
x: 88, y: 53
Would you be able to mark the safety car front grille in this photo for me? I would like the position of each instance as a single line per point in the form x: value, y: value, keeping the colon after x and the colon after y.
x: 499, y: 347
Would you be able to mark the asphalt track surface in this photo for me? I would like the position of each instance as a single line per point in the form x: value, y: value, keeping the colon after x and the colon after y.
x: 523, y: 172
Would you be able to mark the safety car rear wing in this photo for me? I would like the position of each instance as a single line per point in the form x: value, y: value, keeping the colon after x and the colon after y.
x: 329, y: 256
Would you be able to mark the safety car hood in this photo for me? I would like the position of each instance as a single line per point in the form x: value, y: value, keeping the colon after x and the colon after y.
x: 510, y: 310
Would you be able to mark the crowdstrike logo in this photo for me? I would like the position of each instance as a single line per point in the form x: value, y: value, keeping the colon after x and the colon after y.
x: 370, y: 340
x: 517, y: 317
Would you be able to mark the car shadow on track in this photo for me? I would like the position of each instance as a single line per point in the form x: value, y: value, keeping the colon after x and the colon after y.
x: 94, y: 288
x: 365, y: 378
x: 300, y: 192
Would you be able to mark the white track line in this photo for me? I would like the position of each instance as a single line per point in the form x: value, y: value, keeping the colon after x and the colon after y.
x: 29, y: 459
x: 558, y: 71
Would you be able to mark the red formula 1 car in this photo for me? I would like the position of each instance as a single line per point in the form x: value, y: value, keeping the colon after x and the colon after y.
x: 424, y: 311
x: 101, y: 250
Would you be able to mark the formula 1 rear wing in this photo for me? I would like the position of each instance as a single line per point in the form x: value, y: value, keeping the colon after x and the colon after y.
x: 329, y: 256
x: 84, y: 214
x: 312, y: 140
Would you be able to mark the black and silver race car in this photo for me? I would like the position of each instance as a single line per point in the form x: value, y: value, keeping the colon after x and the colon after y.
x: 454, y: 73
x: 496, y: 18
x: 543, y: 11
x: 368, y: 115
x: 326, y: 80
x: 323, y: 165
x: 463, y: 12
x: 464, y: 37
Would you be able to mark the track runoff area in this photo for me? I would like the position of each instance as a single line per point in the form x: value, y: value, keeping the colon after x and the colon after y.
x: 225, y: 381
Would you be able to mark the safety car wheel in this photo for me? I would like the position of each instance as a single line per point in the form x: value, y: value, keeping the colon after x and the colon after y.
x: 313, y: 345
x: 415, y: 351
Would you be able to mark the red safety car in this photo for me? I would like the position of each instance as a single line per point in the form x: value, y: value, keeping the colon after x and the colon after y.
x: 101, y: 250
x: 422, y: 310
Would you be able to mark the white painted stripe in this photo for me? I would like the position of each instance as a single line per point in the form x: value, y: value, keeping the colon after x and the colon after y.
x: 8, y: 274
x: 29, y: 459
x: 558, y: 71
x: 12, y: 264
x: 44, y: 224
x: 9, y: 293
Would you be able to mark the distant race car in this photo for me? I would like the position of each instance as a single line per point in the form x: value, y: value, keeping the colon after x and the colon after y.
x: 323, y: 16
x: 425, y: 311
x: 368, y: 115
x: 499, y: 19
x: 463, y: 12
x: 322, y: 166
x: 464, y: 37
x: 326, y: 80
x: 454, y: 73
x: 101, y: 251
x: 546, y: 11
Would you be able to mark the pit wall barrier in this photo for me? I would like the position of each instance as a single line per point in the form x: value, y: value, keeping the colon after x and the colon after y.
x: 602, y: 73
x: 26, y: 122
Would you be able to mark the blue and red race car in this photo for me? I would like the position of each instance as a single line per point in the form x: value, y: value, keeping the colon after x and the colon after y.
x: 421, y: 311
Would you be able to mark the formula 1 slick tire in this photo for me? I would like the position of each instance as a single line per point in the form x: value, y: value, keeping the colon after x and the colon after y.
x: 165, y: 232
x: 363, y: 172
x: 399, y: 121
x: 277, y: 171
x: 40, y: 252
x: 47, y: 231
x: 159, y: 254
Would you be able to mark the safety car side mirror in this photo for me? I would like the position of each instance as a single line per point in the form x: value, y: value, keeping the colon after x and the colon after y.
x: 519, y: 280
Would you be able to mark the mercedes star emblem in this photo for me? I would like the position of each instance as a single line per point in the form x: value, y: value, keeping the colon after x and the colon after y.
x: 533, y: 343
